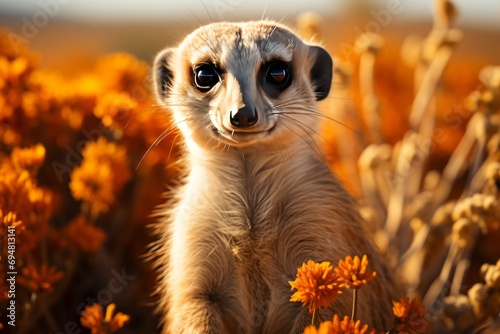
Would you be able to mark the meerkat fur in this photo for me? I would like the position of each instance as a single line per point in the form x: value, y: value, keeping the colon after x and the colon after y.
x: 257, y: 199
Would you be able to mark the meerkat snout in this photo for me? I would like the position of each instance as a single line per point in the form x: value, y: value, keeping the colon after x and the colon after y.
x: 236, y: 83
x: 245, y: 117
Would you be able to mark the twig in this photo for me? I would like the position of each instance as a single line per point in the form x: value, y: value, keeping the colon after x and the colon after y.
x: 456, y: 162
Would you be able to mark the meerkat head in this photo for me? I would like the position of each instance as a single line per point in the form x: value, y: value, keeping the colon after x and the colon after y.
x: 243, y: 84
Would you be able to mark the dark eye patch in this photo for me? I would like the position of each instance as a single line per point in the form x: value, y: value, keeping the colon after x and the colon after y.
x: 206, y: 75
x: 277, y: 77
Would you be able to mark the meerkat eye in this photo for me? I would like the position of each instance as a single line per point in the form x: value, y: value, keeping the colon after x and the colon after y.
x: 205, y: 77
x: 278, y: 74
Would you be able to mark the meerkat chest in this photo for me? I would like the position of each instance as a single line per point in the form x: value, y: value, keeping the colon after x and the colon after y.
x: 240, y: 205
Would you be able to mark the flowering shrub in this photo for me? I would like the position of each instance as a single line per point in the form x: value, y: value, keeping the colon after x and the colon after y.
x: 73, y: 149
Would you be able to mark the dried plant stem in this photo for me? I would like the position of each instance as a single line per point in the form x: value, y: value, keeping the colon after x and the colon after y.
x: 370, y: 100
x: 456, y: 162
x: 397, y: 199
x: 481, y: 328
x: 478, y: 179
x: 49, y: 318
x: 40, y: 309
x: 418, y: 242
x: 422, y: 116
x: 463, y: 263
x: 372, y: 196
x: 428, y: 86
x: 313, y: 318
x: 424, y: 149
x: 461, y: 268
x: 479, y: 153
x: 419, y: 113
x: 439, y: 287
x: 354, y: 303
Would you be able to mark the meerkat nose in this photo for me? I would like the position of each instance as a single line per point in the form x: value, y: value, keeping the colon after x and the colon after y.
x: 245, y: 117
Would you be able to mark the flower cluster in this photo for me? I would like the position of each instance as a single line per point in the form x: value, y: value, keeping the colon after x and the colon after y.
x: 39, y: 278
x: 69, y: 141
x: 317, y: 287
x: 23, y: 203
x: 102, y: 174
x: 485, y: 297
x: 353, y: 272
x: 316, y: 284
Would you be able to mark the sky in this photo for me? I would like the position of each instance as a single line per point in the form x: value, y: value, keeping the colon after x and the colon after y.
x: 480, y: 12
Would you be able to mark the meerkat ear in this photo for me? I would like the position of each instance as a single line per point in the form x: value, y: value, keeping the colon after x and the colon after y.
x: 162, y: 73
x: 321, y: 72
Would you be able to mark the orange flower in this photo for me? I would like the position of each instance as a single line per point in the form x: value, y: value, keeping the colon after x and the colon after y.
x: 410, y: 316
x: 91, y: 182
x: 324, y: 328
x: 352, y: 272
x: 39, y: 279
x: 32, y: 205
x: 123, y: 71
x: 9, y: 220
x: 82, y: 235
x: 113, y: 154
x: 346, y: 326
x: 30, y: 158
x: 115, y: 109
x: 93, y: 319
x: 102, y: 174
x: 316, y: 285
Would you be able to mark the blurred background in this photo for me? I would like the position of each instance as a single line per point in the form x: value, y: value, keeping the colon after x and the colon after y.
x: 87, y: 28
x: 83, y: 67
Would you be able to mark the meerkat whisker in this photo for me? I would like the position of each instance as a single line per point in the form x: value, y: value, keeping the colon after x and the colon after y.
x: 257, y: 197
x: 311, y: 143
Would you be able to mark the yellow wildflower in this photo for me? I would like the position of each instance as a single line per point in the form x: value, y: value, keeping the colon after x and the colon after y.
x: 316, y: 284
x: 92, y: 318
x: 352, y: 272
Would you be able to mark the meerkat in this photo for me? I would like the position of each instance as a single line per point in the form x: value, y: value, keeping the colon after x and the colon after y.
x: 257, y: 199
